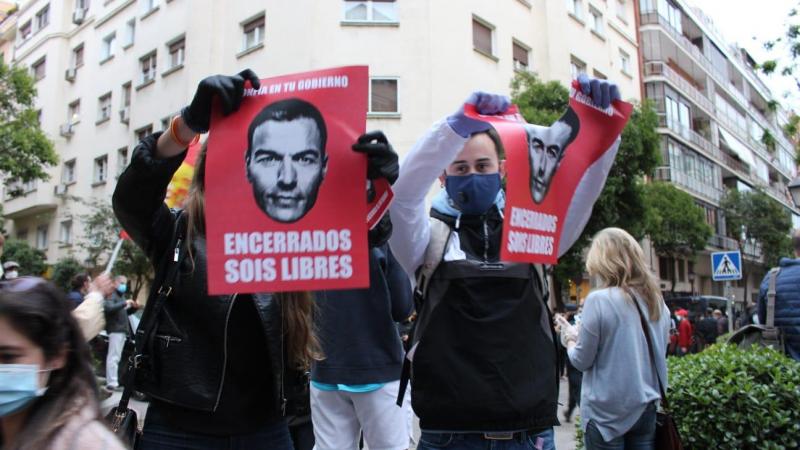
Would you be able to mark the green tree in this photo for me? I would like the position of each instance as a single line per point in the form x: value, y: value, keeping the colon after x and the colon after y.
x: 64, y: 270
x: 676, y: 224
x: 621, y: 203
x: 31, y: 260
x: 101, y: 233
x: 754, y: 217
x: 25, y: 151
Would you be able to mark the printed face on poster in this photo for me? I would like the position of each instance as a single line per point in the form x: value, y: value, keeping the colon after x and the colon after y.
x: 554, y: 175
x: 285, y: 197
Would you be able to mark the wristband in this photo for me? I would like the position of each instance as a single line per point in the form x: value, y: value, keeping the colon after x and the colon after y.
x: 174, y: 135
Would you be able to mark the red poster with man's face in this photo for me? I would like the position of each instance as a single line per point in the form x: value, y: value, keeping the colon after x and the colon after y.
x: 554, y: 175
x: 285, y: 193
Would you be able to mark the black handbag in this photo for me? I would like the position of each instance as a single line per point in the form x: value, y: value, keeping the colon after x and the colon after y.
x: 667, y: 436
x: 123, y: 421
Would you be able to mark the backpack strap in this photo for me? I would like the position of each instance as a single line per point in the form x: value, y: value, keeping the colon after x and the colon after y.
x: 773, y: 276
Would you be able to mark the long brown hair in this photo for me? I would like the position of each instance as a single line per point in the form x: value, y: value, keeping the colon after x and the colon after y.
x: 297, y: 308
x: 618, y: 260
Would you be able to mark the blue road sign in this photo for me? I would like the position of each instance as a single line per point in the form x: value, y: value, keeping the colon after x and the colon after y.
x: 726, y: 266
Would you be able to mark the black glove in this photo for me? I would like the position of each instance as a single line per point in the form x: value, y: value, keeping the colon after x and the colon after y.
x: 229, y: 89
x: 381, y: 158
x: 381, y: 233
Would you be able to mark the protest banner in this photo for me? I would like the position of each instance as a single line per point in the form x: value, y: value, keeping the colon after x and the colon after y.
x: 285, y: 197
x: 554, y: 175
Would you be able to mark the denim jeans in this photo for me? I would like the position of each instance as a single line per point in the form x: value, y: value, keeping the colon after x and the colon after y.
x: 157, y: 436
x: 475, y: 441
x: 640, y: 437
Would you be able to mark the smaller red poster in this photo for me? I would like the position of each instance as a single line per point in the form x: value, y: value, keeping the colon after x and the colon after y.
x: 285, y: 197
x: 554, y: 175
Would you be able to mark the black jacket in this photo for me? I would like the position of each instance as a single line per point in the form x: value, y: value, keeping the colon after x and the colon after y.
x: 188, y: 353
x: 116, y: 313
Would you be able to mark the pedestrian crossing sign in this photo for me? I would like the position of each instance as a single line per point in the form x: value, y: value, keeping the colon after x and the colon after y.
x: 726, y: 266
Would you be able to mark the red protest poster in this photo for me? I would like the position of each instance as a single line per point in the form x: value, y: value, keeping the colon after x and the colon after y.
x: 285, y: 198
x: 554, y: 175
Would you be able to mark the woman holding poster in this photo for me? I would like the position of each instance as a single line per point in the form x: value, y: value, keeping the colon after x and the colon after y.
x: 218, y: 369
x: 484, y: 350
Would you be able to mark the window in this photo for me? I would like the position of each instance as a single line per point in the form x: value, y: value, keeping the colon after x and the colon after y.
x: 148, y: 66
x: 370, y: 11
x: 599, y: 75
x: 122, y: 160
x: 482, y: 36
x: 22, y: 235
x: 625, y: 62
x: 82, y: 4
x: 107, y: 47
x: 520, y: 54
x: 176, y: 53
x: 165, y: 122
x: 74, y: 112
x: 43, y: 17
x: 576, y: 67
x: 666, y: 268
x: 575, y: 8
x: 622, y: 14
x: 38, y: 69
x: 253, y: 33
x: 65, y: 235
x: 25, y: 30
x: 68, y: 172
x: 149, y: 6
x: 77, y: 56
x: 104, y: 108
x: 126, y: 94
x: 383, y: 95
x: 41, y: 237
x: 143, y: 132
x: 681, y: 270
x: 100, y: 169
x: 597, y: 22
x: 130, y: 33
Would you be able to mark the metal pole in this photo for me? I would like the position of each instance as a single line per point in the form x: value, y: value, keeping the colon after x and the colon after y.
x: 113, y: 257
x: 730, y: 305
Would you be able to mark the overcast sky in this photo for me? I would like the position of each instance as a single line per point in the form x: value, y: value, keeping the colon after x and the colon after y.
x: 742, y: 20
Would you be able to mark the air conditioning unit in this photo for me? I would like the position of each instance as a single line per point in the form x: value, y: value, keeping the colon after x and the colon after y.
x: 78, y: 15
x: 66, y: 130
x: 125, y: 115
x: 60, y: 189
x: 69, y: 75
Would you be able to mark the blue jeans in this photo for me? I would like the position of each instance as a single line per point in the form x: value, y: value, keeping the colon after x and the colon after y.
x: 157, y: 436
x: 640, y: 437
x: 475, y: 441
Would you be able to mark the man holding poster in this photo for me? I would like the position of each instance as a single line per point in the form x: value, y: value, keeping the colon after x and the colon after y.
x: 483, y: 357
x: 220, y: 368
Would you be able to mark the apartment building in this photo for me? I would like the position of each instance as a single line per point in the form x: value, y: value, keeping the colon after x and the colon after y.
x: 721, y: 129
x: 110, y: 71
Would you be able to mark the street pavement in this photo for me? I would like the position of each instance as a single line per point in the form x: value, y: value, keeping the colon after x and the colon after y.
x: 565, y: 434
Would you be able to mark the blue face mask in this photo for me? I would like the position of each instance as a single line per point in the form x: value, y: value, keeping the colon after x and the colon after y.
x: 122, y: 288
x: 19, y: 386
x: 473, y: 194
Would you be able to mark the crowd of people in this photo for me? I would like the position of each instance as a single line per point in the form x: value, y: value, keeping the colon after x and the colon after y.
x: 478, y: 363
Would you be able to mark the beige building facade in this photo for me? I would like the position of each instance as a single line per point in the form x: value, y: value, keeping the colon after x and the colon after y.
x: 110, y: 71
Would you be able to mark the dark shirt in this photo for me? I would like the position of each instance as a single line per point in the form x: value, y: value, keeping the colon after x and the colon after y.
x: 75, y: 298
x: 244, y: 406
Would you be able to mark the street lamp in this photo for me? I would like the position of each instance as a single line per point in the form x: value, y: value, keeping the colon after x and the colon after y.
x: 794, y: 189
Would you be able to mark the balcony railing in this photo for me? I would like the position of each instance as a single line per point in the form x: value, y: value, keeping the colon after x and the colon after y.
x: 692, y: 184
x: 752, y: 249
x: 691, y: 136
x: 658, y: 68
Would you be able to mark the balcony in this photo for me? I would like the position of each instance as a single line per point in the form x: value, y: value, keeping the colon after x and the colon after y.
x: 659, y: 68
x: 750, y: 249
x: 691, y: 137
x: 33, y: 202
x: 691, y: 184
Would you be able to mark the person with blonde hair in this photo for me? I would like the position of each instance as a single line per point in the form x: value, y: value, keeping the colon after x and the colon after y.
x: 621, y: 375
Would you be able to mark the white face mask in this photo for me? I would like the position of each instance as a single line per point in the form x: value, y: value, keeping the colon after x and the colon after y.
x: 11, y: 274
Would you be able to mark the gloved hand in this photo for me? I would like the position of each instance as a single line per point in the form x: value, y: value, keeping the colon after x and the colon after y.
x: 382, y: 161
x: 485, y: 103
x: 381, y: 233
x: 229, y: 89
x: 603, y: 92
x: 569, y: 332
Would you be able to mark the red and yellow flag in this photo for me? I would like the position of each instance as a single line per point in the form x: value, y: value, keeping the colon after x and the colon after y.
x: 178, y: 188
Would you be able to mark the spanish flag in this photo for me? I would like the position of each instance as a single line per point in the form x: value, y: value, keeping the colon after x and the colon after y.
x: 178, y: 188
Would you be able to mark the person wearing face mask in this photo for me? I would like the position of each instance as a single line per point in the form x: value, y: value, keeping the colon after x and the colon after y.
x: 483, y: 358
x: 117, y: 309
x: 10, y: 270
x: 48, y: 398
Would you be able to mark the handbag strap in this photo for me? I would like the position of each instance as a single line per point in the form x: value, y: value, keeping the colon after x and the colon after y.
x: 649, y: 340
x: 152, y: 310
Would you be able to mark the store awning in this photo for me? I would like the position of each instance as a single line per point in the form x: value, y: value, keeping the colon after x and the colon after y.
x: 744, y: 153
